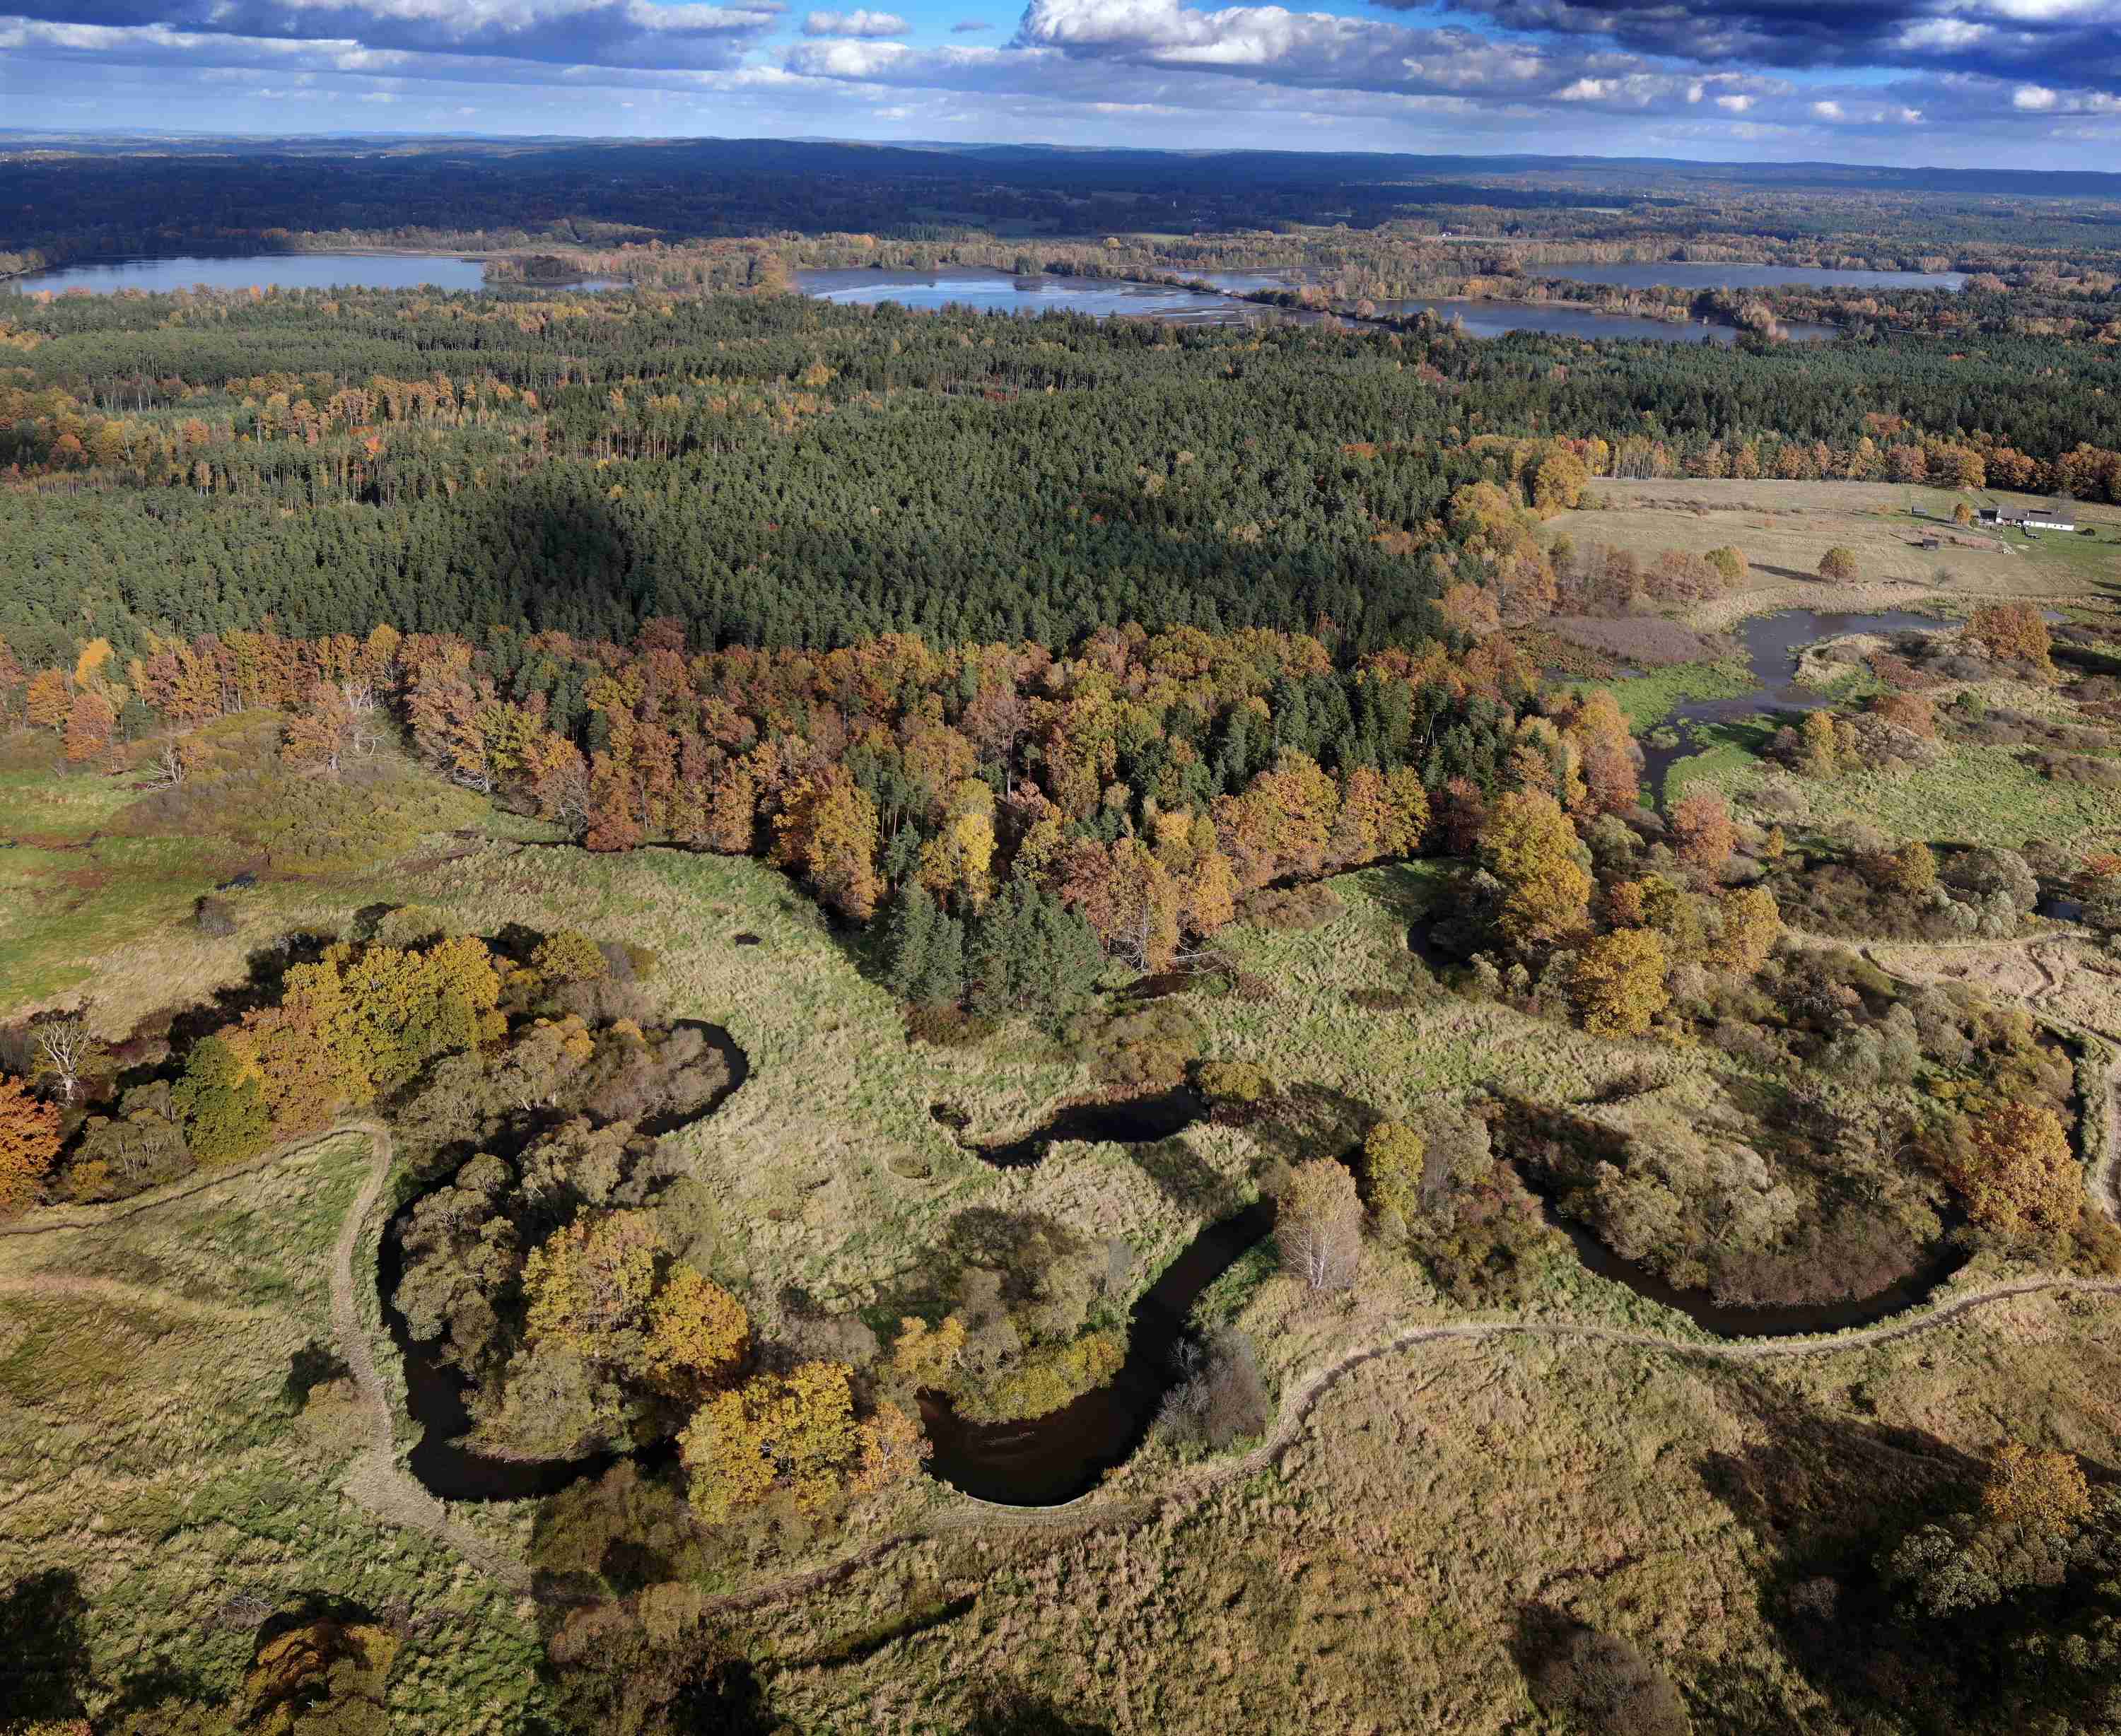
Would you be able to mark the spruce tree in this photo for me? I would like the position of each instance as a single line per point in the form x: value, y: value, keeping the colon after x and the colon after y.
x: 909, y: 936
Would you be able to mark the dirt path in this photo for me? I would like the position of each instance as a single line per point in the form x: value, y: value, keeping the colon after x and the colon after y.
x: 382, y: 1485
x: 376, y: 1480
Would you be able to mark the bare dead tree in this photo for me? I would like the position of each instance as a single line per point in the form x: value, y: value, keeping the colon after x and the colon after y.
x: 65, y: 1044
x: 1318, y: 1225
x: 169, y: 770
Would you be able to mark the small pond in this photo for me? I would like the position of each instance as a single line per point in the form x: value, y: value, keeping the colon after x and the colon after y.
x: 271, y: 271
x: 1772, y: 643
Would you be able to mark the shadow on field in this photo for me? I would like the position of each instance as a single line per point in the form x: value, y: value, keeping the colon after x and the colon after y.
x: 44, y: 1647
x: 1827, y: 1495
x: 1005, y: 1711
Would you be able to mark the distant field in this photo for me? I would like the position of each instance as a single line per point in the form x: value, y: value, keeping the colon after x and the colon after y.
x: 1785, y: 527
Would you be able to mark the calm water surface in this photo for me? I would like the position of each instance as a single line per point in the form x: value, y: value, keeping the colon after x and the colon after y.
x: 1772, y: 644
x: 992, y: 291
x: 1483, y: 319
x: 1691, y: 274
x: 270, y: 271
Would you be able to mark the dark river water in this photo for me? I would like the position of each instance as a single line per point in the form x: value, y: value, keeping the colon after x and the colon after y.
x: 1772, y: 643
x: 1044, y: 1461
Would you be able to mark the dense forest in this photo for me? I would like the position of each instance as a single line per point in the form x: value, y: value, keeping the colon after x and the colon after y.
x: 778, y: 473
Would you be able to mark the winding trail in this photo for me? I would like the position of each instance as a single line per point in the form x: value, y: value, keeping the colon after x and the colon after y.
x: 376, y: 1479
x: 379, y: 1482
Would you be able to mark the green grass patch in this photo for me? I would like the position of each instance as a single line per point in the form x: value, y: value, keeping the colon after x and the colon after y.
x: 1644, y: 699
x: 1974, y: 795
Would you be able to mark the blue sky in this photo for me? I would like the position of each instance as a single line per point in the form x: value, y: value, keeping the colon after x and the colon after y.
x: 2022, y: 83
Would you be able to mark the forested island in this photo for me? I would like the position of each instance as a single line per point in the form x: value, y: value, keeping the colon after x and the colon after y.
x: 718, y: 1011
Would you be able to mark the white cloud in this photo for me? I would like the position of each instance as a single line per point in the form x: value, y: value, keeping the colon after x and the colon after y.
x: 1829, y: 110
x: 2034, y: 99
x: 857, y: 23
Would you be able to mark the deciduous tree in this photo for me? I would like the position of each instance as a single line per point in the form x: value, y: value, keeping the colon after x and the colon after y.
x: 1318, y: 1225
x: 1618, y: 983
x: 1703, y: 834
x: 1528, y: 844
x: 29, y: 1141
x: 793, y: 1432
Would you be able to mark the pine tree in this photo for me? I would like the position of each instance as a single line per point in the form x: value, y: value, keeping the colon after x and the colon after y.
x: 942, y: 979
x: 909, y: 936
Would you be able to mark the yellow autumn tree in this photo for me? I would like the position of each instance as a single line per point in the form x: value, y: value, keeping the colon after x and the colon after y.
x: 2043, y: 1491
x: 588, y: 1285
x: 698, y: 1333
x: 828, y: 829
x: 959, y: 860
x: 1618, y: 983
x: 1752, y: 923
x: 793, y: 1433
x: 1528, y: 844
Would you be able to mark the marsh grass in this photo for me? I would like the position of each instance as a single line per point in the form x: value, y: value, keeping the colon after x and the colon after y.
x: 160, y: 1440
x: 1378, y: 1579
x: 1644, y: 699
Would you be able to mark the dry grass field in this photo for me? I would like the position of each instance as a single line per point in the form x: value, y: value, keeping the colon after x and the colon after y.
x: 1440, y: 1504
x: 1785, y: 527
x: 1377, y: 1578
x: 173, y: 1437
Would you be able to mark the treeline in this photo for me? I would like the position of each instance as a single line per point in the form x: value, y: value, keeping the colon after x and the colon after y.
x: 778, y: 473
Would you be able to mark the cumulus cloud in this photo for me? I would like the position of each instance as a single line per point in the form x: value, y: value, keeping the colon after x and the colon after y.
x: 2004, y: 36
x: 613, y: 33
x: 1658, y: 77
x: 856, y: 23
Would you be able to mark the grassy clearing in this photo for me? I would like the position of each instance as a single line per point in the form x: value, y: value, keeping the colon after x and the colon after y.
x: 1379, y: 1578
x: 1644, y: 699
x: 1785, y: 527
x: 829, y: 1169
x: 1973, y: 795
x: 93, y: 900
x: 150, y: 1445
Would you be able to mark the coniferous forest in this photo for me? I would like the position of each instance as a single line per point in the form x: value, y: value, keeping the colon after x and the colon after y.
x: 723, y: 1012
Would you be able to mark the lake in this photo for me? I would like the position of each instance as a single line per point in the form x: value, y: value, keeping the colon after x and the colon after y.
x: 1483, y: 319
x: 978, y: 287
x: 995, y: 292
x: 267, y: 270
x: 1700, y: 275
x: 1495, y: 318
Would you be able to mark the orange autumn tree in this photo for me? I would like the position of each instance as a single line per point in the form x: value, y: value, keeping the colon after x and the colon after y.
x: 827, y: 830
x: 29, y: 1141
x: 1701, y: 826
x: 1127, y: 897
x: 699, y: 1335
x: 46, y: 701
x: 89, y: 725
x: 2013, y: 1165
